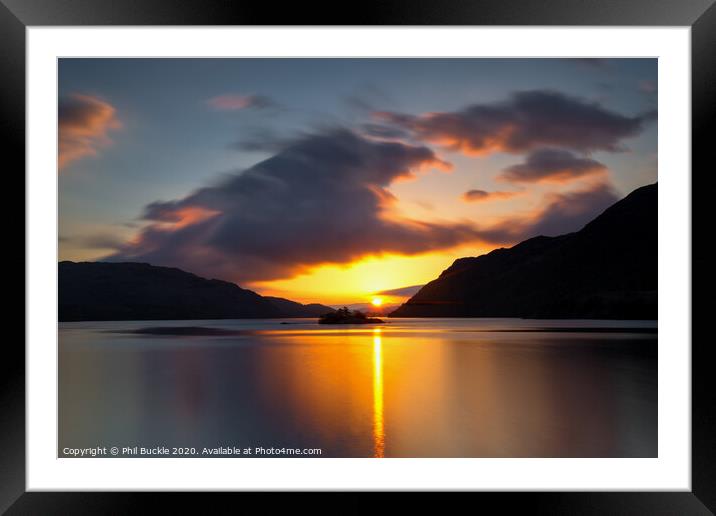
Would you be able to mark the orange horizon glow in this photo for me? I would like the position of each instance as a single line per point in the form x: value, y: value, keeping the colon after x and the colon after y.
x: 363, y: 280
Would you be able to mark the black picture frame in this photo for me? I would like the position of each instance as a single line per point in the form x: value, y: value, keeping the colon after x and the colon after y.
x: 700, y: 15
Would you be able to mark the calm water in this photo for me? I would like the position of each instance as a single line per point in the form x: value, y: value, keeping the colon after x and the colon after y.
x: 410, y: 388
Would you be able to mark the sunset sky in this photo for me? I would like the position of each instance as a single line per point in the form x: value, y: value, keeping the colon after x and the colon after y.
x: 331, y: 180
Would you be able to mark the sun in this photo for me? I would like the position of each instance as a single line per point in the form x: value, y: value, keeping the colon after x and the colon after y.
x: 376, y: 301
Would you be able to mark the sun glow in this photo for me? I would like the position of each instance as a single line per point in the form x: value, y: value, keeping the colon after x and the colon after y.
x: 376, y: 302
x: 363, y: 279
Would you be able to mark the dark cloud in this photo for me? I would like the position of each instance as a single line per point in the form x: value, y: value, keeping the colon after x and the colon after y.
x: 525, y: 121
x: 562, y: 213
x: 482, y: 195
x: 476, y: 195
x: 554, y: 165
x: 84, y: 123
x: 261, y: 139
x: 384, y: 132
x: 571, y: 211
x: 323, y: 199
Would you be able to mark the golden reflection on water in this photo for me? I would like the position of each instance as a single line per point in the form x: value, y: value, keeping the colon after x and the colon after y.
x: 378, y: 428
x: 450, y: 392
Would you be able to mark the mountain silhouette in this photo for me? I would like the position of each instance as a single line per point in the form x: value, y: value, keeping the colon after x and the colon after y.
x: 607, y: 270
x: 103, y: 291
x: 293, y: 309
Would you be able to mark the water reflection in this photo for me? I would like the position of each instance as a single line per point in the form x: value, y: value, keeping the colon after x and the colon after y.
x: 378, y: 428
x: 435, y: 388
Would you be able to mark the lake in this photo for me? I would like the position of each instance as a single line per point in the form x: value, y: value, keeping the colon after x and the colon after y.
x: 408, y: 388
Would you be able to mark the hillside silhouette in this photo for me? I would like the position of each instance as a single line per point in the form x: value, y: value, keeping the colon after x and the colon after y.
x: 607, y: 270
x: 104, y: 291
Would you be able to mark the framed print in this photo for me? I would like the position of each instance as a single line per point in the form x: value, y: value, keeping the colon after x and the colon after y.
x: 407, y: 251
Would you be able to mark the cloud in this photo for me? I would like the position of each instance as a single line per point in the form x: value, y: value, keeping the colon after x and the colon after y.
x: 571, y: 211
x: 235, y: 102
x: 322, y: 199
x: 552, y: 165
x: 384, y: 132
x: 525, y: 121
x: 562, y: 213
x: 401, y: 292
x: 260, y: 139
x: 482, y: 195
x: 84, y: 123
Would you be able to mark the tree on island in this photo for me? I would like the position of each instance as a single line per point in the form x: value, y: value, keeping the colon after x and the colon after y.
x: 346, y: 316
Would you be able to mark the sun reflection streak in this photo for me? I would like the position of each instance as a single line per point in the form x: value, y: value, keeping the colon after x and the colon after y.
x: 378, y: 429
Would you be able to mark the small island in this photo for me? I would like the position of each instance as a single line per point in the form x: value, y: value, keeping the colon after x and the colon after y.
x: 346, y: 316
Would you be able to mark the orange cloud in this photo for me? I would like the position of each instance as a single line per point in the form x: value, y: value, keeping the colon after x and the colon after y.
x: 185, y: 216
x: 561, y: 212
x: 84, y: 123
x: 323, y: 199
x: 523, y: 122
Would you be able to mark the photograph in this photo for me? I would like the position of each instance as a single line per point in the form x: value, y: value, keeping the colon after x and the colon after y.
x: 376, y: 257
